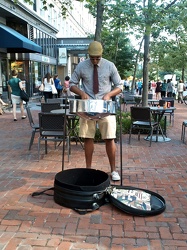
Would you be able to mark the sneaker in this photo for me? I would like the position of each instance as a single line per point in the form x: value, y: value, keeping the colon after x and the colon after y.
x: 115, y: 176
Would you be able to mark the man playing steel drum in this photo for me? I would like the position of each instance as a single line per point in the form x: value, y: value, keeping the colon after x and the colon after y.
x: 107, y: 76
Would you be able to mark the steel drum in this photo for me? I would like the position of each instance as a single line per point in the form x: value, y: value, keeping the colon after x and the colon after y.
x: 92, y: 109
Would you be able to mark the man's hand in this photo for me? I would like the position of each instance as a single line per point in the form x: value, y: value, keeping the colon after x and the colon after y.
x: 114, y: 92
x: 84, y: 96
x: 106, y: 97
x: 79, y: 92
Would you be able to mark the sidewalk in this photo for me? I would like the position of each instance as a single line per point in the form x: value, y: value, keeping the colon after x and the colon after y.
x: 34, y: 223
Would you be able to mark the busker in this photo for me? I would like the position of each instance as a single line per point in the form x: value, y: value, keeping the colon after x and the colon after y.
x: 107, y: 76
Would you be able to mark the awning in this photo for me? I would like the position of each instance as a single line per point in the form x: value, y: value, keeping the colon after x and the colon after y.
x: 14, y: 42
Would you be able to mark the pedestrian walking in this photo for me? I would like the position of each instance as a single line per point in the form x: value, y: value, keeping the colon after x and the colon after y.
x: 48, y: 81
x: 15, y: 85
x: 169, y: 88
x: 158, y: 89
x: 180, y: 89
x: 164, y: 88
x: 58, y: 85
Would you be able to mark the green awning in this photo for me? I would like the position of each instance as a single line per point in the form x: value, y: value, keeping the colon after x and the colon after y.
x: 14, y: 42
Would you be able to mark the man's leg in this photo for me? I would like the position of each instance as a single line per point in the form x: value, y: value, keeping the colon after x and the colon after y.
x: 111, y: 152
x: 88, y: 149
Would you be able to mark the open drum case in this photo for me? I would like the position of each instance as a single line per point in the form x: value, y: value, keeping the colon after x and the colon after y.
x: 85, y: 190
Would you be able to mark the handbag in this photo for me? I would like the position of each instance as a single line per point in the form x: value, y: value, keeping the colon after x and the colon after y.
x: 41, y: 88
x: 54, y: 90
x: 24, y: 96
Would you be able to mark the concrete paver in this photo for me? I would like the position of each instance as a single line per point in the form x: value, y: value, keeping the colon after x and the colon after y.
x: 35, y: 223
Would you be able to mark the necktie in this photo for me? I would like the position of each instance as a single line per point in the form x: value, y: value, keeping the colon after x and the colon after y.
x: 95, y: 80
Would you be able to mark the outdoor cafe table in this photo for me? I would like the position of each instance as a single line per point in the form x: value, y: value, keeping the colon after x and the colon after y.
x: 153, y: 102
x: 158, y: 113
x: 138, y: 99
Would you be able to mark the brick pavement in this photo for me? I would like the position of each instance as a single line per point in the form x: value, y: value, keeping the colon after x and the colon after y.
x: 39, y: 223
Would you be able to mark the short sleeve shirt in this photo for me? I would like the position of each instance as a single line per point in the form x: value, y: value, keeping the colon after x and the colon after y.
x: 14, y: 84
x: 108, y: 77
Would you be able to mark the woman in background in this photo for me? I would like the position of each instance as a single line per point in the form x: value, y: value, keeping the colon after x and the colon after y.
x: 15, y: 85
x: 158, y: 89
x: 48, y: 81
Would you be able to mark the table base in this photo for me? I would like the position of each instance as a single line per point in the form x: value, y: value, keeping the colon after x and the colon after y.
x: 160, y: 139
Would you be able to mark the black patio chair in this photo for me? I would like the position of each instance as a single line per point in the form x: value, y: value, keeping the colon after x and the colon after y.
x: 34, y: 126
x: 127, y: 99
x: 52, y: 129
x: 141, y: 120
x: 47, y: 107
x: 183, y: 132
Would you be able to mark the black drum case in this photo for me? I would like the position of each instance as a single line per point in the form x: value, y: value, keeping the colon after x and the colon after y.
x: 85, y: 190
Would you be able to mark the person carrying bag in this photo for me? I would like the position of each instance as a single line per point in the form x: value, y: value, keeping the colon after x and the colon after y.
x: 15, y: 87
x: 49, y: 87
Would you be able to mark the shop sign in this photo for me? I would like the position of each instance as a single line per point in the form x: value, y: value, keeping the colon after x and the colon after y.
x: 45, y: 59
x: 62, y: 58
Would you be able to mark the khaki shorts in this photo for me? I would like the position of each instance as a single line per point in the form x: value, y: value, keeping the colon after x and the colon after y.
x: 107, y: 127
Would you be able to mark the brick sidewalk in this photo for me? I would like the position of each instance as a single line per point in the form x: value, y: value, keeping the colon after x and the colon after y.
x: 39, y: 223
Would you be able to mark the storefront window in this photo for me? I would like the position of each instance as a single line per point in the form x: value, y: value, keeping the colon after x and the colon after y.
x: 36, y: 76
x: 4, y: 77
x: 20, y: 67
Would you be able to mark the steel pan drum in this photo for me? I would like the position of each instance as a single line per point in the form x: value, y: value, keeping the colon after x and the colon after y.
x: 92, y: 109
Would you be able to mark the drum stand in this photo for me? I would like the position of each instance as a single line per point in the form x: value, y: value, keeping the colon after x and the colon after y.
x: 120, y: 140
x: 64, y: 132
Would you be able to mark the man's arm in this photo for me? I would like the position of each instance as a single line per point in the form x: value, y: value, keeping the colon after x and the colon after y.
x: 79, y: 92
x: 112, y: 93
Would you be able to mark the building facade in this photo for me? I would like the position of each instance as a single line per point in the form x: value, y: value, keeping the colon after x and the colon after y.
x: 45, y: 32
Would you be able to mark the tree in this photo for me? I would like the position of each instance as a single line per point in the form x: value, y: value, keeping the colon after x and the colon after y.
x: 147, y: 17
x: 117, y: 48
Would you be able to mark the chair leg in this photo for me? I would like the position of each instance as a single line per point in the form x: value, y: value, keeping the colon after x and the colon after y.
x: 130, y: 135
x: 38, y: 148
x: 151, y: 135
x: 182, y: 132
x: 138, y: 135
x: 45, y: 146
x: 32, y: 139
x: 68, y: 142
x: 165, y: 124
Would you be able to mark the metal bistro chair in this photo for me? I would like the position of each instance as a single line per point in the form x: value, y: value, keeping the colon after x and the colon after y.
x: 34, y: 126
x: 127, y: 99
x: 52, y: 129
x: 184, y: 125
x: 47, y: 107
x: 141, y: 119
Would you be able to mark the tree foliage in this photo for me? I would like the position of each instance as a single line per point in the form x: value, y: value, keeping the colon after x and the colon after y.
x: 148, y: 19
